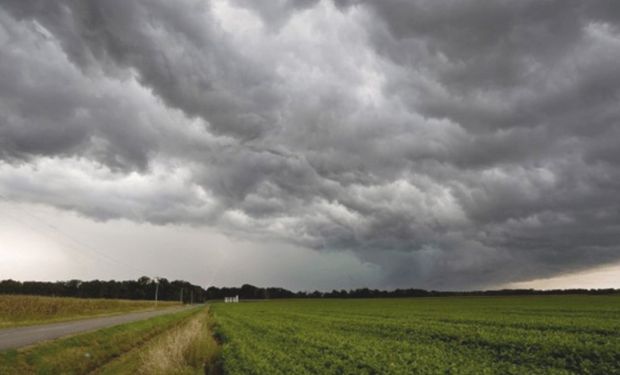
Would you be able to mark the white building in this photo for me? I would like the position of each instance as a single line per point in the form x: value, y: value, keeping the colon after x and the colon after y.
x: 234, y: 299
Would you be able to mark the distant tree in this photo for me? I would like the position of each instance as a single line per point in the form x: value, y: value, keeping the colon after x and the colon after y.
x: 144, y: 288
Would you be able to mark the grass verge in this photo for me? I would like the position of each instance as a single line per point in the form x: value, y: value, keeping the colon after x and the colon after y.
x: 18, y: 311
x: 85, y: 353
x: 187, y: 349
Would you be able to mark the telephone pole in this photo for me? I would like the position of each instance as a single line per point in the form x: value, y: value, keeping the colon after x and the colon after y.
x: 156, y: 290
x: 181, y: 299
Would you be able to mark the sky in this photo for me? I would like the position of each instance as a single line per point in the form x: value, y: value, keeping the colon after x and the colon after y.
x: 312, y: 144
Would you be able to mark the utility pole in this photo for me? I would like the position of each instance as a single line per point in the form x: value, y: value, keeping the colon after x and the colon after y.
x: 192, y: 297
x: 156, y: 290
x: 181, y: 299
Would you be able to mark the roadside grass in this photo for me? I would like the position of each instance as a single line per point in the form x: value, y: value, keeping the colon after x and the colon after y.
x: 187, y: 349
x: 85, y: 353
x: 17, y: 310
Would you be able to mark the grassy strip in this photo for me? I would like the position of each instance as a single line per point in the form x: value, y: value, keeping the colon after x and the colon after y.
x: 86, y: 352
x: 18, y: 311
x: 186, y: 349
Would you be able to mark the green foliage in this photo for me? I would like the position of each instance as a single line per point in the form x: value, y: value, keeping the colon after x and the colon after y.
x: 468, y: 335
x: 142, y: 289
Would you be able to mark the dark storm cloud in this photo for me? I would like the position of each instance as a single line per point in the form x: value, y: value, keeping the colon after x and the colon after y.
x: 454, y: 144
x: 275, y: 13
x: 177, y: 50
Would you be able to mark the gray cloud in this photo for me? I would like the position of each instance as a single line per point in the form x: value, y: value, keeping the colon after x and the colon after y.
x: 453, y: 144
x: 275, y: 13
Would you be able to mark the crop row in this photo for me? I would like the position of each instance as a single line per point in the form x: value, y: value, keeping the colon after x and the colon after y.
x: 426, y: 336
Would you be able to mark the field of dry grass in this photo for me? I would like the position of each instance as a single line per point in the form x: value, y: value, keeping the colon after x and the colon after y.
x: 182, y: 350
x: 26, y: 310
x: 188, y: 348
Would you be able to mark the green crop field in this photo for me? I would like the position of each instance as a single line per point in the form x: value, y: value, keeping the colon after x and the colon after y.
x: 469, y: 335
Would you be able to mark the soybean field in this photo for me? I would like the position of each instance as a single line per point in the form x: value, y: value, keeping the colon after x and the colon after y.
x: 447, y: 335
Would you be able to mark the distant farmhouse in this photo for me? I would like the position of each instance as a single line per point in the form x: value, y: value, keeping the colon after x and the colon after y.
x: 234, y: 299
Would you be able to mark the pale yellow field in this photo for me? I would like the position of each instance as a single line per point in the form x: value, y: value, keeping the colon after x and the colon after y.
x: 25, y: 310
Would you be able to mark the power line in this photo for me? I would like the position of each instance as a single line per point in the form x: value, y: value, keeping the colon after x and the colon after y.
x: 77, y: 243
x: 216, y: 269
x: 35, y: 230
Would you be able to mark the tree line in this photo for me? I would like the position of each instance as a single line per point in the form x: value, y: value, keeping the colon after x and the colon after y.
x: 144, y: 289
x: 252, y: 292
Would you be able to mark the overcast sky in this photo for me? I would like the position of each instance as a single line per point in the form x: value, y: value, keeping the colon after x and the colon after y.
x: 312, y: 144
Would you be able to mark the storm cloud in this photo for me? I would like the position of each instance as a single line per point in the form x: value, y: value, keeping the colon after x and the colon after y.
x: 451, y: 144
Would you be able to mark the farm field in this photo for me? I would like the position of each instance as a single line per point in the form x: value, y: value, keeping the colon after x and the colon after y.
x: 18, y: 310
x: 448, y: 335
